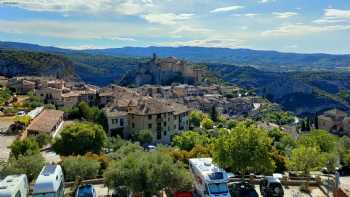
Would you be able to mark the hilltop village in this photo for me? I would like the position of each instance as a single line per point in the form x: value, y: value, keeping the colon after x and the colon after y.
x: 158, y: 121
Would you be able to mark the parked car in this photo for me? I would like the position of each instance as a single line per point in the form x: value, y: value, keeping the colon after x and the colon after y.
x: 344, y: 171
x: 242, y: 189
x: 21, y: 113
x: 85, y: 191
x: 271, y: 187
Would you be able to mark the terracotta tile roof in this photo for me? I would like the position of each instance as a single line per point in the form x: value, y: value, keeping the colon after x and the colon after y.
x: 45, y: 121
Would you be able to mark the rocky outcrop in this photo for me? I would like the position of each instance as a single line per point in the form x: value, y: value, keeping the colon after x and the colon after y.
x: 163, y: 71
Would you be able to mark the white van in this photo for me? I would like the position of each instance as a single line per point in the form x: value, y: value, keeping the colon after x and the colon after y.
x: 210, y: 180
x: 14, y: 186
x: 50, y: 182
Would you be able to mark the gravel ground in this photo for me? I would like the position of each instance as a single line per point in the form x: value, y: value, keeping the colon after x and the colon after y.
x: 5, y: 141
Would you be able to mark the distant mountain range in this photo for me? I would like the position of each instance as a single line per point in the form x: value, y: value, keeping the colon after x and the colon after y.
x: 264, y: 60
x: 302, y: 83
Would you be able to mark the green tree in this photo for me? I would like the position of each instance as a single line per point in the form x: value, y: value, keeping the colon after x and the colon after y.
x: 125, y: 150
x: 231, y: 124
x: 325, y: 141
x: 23, y: 120
x: 316, y: 121
x: 207, y: 123
x: 189, y: 139
x: 244, y: 149
x: 114, y: 143
x: 30, y: 165
x: 214, y: 115
x: 148, y: 173
x: 5, y: 95
x: 196, y: 117
x: 33, y: 101
x: 144, y: 136
x: 80, y: 138
x: 24, y: 147
x: 282, y: 141
x: 305, y: 159
x: 86, y: 111
x: 80, y: 166
x: 280, y: 118
x: 343, y: 147
x: 42, y: 139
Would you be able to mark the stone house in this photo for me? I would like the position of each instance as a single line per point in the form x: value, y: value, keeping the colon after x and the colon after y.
x: 3, y: 81
x: 132, y: 115
x: 21, y: 85
x: 48, y: 121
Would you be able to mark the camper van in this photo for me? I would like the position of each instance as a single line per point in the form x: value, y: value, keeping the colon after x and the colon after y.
x: 210, y: 180
x: 50, y: 182
x: 14, y: 186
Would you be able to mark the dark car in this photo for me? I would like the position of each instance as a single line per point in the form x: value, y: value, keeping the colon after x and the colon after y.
x: 271, y: 187
x: 242, y: 189
x: 85, y: 191
x: 344, y: 171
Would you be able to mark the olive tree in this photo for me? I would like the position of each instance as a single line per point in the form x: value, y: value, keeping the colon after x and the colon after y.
x: 147, y: 173
x: 80, y: 166
x: 245, y: 149
x: 80, y: 138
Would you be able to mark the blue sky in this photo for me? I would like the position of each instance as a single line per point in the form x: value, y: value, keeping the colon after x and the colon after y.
x: 285, y: 25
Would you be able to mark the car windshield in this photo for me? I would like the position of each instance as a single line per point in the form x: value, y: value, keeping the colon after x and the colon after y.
x: 217, y: 188
x: 51, y: 194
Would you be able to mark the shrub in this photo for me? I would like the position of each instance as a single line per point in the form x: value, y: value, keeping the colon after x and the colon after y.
x: 30, y: 165
x: 80, y: 138
x: 80, y: 166
x: 24, y: 147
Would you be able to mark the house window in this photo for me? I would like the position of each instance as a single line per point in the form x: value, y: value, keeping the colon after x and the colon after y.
x: 164, y: 133
x: 121, y: 122
x: 164, y: 123
x: 150, y: 126
x: 159, y: 134
x: 133, y: 125
x: 149, y: 117
x: 159, y: 115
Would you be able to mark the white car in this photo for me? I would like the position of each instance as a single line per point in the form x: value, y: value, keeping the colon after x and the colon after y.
x: 21, y: 113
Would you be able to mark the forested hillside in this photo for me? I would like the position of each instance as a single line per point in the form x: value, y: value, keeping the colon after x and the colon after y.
x: 300, y: 92
x: 17, y: 63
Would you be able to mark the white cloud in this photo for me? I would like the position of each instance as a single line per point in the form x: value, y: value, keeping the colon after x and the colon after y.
x: 167, y: 18
x: 334, y: 16
x: 266, y: 1
x: 209, y: 42
x: 188, y: 29
x: 284, y: 14
x: 301, y: 29
x: 125, y: 7
x: 227, y: 9
x: 337, y: 14
x: 123, y: 39
x: 251, y: 14
x: 76, y: 30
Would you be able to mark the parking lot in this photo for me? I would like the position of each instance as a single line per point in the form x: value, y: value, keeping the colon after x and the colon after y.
x: 101, y: 190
